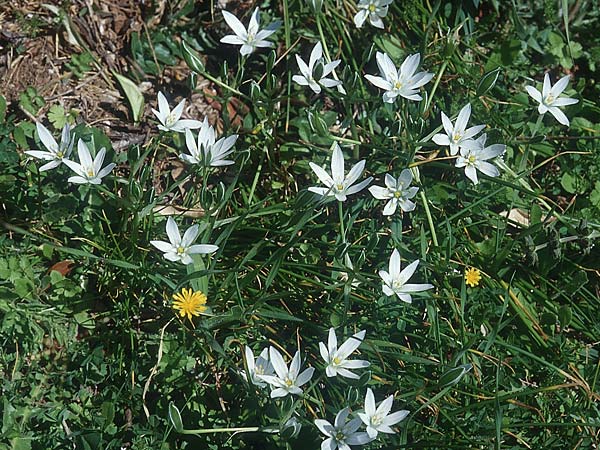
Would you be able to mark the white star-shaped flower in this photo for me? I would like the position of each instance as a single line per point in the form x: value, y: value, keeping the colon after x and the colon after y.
x: 339, y: 184
x: 308, y: 75
x: 394, y: 281
x: 180, y: 249
x: 337, y: 358
x: 380, y: 419
x: 208, y: 150
x: 374, y: 10
x: 342, y: 434
x: 473, y: 157
x: 56, y: 153
x: 397, y: 192
x: 549, y: 100
x: 404, y: 82
x: 458, y: 133
x: 262, y: 366
x: 250, y: 38
x: 88, y: 170
x: 171, y: 120
x: 287, y: 381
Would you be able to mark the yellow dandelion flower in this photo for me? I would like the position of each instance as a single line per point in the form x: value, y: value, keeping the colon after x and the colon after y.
x: 472, y: 276
x: 189, y: 303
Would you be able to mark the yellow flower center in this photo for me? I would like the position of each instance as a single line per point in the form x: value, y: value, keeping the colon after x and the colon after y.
x: 472, y: 276
x: 456, y: 137
x: 549, y: 99
x: 376, y: 420
x: 259, y: 369
x: 170, y: 120
x: 90, y: 172
x: 339, y: 187
x: 59, y: 155
x: 189, y: 303
x: 472, y: 159
x: 340, y: 436
x: 336, y: 360
x: 180, y: 250
x: 372, y: 7
x: 397, y: 194
x: 398, y: 84
x: 288, y: 382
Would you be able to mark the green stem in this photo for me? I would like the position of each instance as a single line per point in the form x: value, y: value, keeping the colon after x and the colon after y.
x: 324, y: 44
x: 341, y: 215
x: 223, y: 85
x: 227, y: 430
x: 256, y: 176
x: 525, y: 157
x: 429, y: 218
x: 435, y: 85
x: 346, y: 140
x: 39, y: 194
x: 288, y: 40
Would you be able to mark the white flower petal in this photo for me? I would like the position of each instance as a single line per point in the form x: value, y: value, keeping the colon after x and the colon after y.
x: 238, y: 28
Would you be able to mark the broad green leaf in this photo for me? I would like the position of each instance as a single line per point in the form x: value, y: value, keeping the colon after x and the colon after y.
x: 565, y: 316
x: 175, y: 417
x: 134, y: 95
x: 57, y: 116
x: 454, y: 375
x: 488, y: 81
x: 19, y: 443
x: 192, y: 58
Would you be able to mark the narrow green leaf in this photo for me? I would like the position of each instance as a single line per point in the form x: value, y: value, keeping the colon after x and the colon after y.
x: 2, y: 108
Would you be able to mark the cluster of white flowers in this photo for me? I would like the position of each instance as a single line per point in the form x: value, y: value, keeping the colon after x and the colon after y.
x: 88, y: 170
x: 270, y: 369
x: 204, y: 150
x: 471, y: 153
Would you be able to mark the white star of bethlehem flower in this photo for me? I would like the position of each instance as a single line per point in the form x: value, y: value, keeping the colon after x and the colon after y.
x: 398, y: 192
x: 549, y: 99
x: 473, y: 157
x: 208, y: 150
x: 262, y: 366
x: 339, y: 184
x: 287, y: 381
x: 171, y: 120
x: 336, y: 358
x: 458, y: 133
x: 56, y: 153
x: 394, y: 281
x: 88, y: 170
x: 374, y: 10
x: 403, y: 82
x: 251, y: 38
x: 180, y: 249
x: 380, y: 419
x: 308, y: 76
x: 342, y: 434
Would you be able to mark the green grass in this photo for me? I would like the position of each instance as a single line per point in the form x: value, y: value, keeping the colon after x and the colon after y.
x: 94, y: 356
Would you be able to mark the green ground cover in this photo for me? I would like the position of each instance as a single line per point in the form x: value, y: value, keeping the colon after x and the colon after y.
x: 116, y: 333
